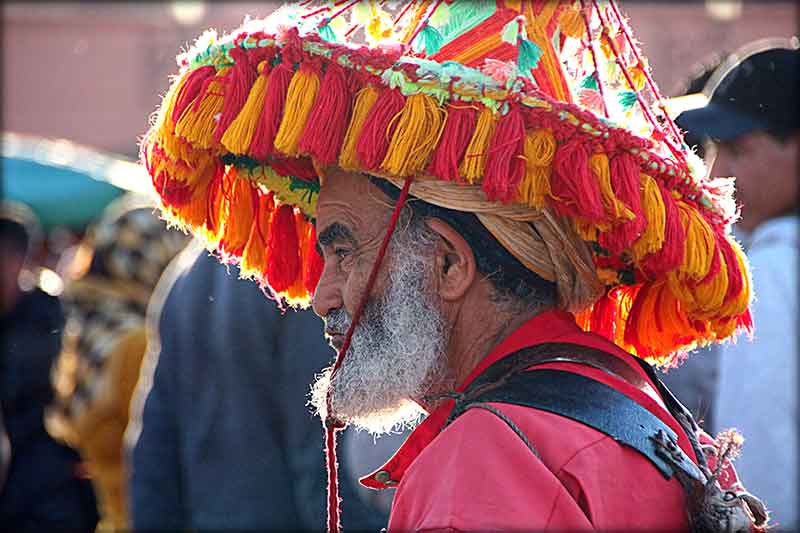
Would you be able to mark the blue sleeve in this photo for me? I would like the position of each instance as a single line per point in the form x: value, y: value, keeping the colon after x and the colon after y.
x: 155, y: 485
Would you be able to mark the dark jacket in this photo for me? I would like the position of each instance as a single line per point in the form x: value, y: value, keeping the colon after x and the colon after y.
x: 43, y: 489
x: 227, y: 439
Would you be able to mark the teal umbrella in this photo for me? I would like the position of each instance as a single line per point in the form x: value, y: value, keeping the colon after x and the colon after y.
x: 65, y: 184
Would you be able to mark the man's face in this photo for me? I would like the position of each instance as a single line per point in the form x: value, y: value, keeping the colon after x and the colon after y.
x: 397, y: 351
x: 765, y: 171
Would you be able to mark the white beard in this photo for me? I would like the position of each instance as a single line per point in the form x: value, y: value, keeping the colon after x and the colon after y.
x: 397, y: 351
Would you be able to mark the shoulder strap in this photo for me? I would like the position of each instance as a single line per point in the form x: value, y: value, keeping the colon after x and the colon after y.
x: 579, y: 398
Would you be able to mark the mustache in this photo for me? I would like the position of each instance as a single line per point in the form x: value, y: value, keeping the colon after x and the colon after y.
x: 338, y: 321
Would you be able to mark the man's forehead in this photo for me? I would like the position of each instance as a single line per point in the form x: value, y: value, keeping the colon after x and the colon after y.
x: 351, y: 200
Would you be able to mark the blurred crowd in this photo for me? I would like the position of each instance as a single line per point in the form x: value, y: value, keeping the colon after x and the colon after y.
x: 144, y: 385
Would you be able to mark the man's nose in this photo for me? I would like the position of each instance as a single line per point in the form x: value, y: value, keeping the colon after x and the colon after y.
x: 327, y: 296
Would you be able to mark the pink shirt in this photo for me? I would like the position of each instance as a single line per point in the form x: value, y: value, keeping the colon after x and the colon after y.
x: 477, y: 474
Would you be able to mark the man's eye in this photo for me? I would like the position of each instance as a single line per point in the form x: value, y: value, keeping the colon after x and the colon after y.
x: 341, y: 253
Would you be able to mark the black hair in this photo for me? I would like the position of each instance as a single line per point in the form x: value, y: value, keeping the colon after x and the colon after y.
x: 511, y: 279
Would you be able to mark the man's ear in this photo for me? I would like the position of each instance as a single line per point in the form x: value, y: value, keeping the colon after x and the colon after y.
x: 455, y: 263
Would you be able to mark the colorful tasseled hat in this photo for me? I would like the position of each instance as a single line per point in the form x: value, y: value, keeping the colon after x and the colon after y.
x: 530, y: 113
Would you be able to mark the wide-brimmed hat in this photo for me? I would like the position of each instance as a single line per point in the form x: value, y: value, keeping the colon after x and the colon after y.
x: 541, y: 117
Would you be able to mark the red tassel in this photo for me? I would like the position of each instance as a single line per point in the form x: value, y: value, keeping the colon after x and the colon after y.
x: 283, y: 257
x: 671, y: 254
x: 236, y: 87
x: 373, y: 142
x: 314, y: 263
x: 603, y: 317
x: 627, y: 188
x: 195, y: 82
x: 329, y: 118
x: 505, y: 166
x: 262, y: 145
x: 453, y: 144
x: 299, y: 167
x: 573, y: 181
x: 631, y: 334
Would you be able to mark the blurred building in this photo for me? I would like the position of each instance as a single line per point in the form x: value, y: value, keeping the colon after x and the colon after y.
x: 92, y: 72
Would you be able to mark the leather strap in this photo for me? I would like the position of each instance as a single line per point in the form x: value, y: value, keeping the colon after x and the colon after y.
x: 582, y: 399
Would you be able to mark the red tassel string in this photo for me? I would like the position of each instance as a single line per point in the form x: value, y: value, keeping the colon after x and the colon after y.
x: 373, y: 142
x: 193, y: 87
x: 283, y: 256
x: 505, y: 166
x: 262, y: 145
x: 236, y: 88
x: 331, y: 424
x: 458, y: 128
x: 626, y: 184
x: 631, y: 334
x: 573, y: 181
x: 672, y: 250
x: 328, y: 119
x: 314, y: 263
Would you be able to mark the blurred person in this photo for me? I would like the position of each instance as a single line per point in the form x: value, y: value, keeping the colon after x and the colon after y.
x: 751, y: 125
x: 222, y: 436
x: 109, y: 281
x: 5, y: 452
x: 45, y: 488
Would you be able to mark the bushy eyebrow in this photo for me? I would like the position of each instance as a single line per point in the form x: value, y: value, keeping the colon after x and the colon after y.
x: 334, y: 232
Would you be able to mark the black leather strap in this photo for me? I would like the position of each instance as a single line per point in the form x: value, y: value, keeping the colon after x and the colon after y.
x: 579, y: 398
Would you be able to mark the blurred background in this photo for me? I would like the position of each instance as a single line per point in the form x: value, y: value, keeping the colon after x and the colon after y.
x: 91, y: 73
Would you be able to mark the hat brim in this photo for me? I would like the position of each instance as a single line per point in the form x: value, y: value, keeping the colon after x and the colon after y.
x: 714, y: 121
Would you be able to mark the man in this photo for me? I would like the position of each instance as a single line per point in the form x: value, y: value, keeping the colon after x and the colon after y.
x: 109, y: 282
x: 44, y: 487
x: 470, y: 213
x: 221, y: 437
x: 752, y: 125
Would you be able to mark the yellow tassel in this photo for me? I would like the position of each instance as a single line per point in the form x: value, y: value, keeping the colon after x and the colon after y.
x: 711, y: 294
x: 240, y: 213
x: 652, y: 238
x: 571, y: 23
x: 474, y: 161
x: 681, y: 291
x: 364, y: 101
x: 299, y: 99
x: 240, y: 132
x: 419, y: 126
x: 699, y: 245
x: 539, y: 150
x: 739, y: 303
x: 598, y: 163
x: 163, y: 121
x: 585, y: 229
x: 197, y: 127
x: 254, y: 257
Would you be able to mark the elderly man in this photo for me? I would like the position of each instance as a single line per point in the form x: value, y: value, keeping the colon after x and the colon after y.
x: 497, y: 251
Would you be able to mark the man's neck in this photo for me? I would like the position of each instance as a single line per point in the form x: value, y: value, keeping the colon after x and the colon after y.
x: 476, y: 331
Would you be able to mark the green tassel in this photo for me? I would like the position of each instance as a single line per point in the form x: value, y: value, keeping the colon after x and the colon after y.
x: 626, y: 99
x: 589, y: 82
x: 430, y: 38
x: 529, y: 55
x: 327, y: 34
x: 510, y: 32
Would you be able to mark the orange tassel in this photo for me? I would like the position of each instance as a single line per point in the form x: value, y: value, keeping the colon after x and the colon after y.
x: 238, y: 223
x: 254, y: 257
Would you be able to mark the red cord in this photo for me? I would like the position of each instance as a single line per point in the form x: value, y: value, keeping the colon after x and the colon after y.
x: 330, y: 424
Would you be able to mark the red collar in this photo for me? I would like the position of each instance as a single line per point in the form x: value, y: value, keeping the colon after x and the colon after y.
x: 550, y: 326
